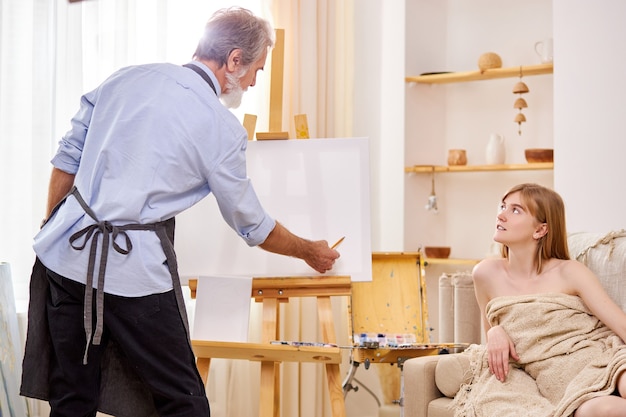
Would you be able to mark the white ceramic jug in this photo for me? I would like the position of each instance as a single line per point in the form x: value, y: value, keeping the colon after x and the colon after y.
x: 496, y: 152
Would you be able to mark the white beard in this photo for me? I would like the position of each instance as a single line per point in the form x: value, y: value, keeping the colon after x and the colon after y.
x: 233, y: 98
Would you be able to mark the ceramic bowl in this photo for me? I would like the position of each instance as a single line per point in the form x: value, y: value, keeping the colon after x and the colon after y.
x: 437, y: 251
x: 489, y: 60
x: 539, y: 155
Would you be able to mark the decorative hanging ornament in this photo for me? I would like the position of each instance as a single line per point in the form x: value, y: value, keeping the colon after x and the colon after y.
x: 431, y: 205
x: 520, y: 88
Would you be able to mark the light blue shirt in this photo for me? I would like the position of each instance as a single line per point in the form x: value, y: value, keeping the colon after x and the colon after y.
x: 148, y: 143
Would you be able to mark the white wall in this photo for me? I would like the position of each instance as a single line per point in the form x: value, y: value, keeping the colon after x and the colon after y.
x: 589, y: 111
x: 579, y: 110
x: 451, y: 36
x: 379, y: 112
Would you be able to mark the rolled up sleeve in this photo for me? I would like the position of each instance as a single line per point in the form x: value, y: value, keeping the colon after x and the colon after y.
x: 68, y: 155
x: 237, y: 200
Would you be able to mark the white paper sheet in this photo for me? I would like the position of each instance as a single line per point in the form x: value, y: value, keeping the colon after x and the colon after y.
x: 222, y: 308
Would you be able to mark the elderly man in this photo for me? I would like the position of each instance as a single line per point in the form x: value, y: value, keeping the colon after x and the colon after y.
x: 149, y: 142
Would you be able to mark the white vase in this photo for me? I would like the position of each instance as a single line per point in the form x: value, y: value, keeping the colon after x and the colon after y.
x: 496, y: 152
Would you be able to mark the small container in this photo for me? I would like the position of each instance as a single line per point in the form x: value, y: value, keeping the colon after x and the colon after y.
x: 496, y: 152
x: 392, y: 340
x: 440, y: 252
x: 539, y: 155
x: 457, y: 157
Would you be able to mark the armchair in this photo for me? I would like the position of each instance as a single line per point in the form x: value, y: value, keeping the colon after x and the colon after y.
x: 431, y: 382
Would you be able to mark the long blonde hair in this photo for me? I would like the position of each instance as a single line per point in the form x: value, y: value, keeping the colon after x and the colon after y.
x: 546, y: 206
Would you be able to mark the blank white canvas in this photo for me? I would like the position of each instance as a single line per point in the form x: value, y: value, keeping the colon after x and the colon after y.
x: 317, y: 188
x: 222, y: 308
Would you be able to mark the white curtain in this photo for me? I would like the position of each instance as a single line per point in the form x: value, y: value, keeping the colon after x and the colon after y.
x: 319, y: 65
x: 26, y: 118
x: 51, y: 52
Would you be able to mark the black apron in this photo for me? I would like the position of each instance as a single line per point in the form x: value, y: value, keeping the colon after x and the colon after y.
x: 122, y: 393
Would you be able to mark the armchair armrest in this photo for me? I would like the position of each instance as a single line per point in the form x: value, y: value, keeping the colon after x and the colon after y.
x: 419, y: 385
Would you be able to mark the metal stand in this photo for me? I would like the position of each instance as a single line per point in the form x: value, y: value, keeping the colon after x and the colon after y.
x: 391, y: 356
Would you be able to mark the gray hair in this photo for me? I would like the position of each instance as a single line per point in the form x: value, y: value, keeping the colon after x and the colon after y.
x: 235, y: 28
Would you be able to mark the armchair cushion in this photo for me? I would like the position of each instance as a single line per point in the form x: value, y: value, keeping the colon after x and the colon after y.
x: 419, y: 385
x: 605, y: 255
x: 452, y: 371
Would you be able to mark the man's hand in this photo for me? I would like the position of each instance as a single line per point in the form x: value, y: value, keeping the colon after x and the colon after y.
x: 60, y: 184
x: 320, y: 256
x: 316, y: 254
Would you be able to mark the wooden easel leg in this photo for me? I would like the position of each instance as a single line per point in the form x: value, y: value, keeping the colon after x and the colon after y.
x: 203, y: 368
x: 269, y: 401
x: 276, y: 82
x: 276, y: 389
x: 325, y: 315
x: 249, y: 123
x: 267, y: 396
x: 276, y: 90
x: 335, y: 390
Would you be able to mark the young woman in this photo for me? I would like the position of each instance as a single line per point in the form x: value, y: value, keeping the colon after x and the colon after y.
x: 554, y: 336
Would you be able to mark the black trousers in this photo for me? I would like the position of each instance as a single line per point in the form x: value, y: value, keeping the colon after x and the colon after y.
x: 148, y: 329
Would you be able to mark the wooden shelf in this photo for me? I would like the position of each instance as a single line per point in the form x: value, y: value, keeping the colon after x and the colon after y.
x: 427, y: 169
x: 459, y: 77
x: 450, y: 261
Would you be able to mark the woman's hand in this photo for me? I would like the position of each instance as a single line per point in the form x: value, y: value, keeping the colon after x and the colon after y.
x: 499, y: 349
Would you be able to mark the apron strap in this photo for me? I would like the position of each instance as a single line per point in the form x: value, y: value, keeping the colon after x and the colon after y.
x: 112, y: 233
x: 165, y: 232
x: 203, y: 74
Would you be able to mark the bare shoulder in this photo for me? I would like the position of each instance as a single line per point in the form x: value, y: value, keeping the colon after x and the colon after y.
x: 486, y: 268
x: 572, y: 267
x: 485, y: 275
x: 570, y: 276
x: 575, y: 270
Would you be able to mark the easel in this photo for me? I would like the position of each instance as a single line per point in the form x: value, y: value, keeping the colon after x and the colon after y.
x: 394, y: 302
x: 271, y: 292
x: 276, y: 100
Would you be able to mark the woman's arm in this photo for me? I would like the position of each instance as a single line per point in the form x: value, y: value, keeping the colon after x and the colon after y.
x: 499, y: 345
x: 588, y: 287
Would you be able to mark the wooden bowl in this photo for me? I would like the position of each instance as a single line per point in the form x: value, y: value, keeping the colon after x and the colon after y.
x: 437, y: 251
x: 539, y: 155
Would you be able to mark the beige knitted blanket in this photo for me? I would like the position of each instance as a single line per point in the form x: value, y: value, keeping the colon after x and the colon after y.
x: 567, y: 356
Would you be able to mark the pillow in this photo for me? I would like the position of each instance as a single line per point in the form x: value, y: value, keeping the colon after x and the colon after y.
x: 605, y: 255
x: 452, y: 371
